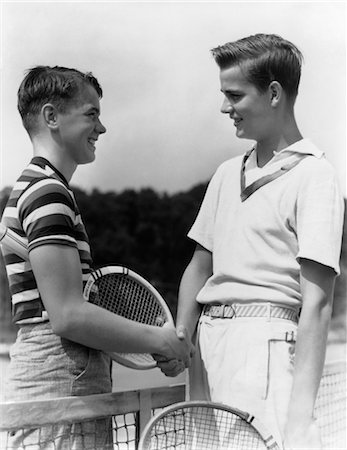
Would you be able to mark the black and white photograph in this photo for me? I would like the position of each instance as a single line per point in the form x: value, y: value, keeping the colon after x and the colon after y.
x: 173, y: 257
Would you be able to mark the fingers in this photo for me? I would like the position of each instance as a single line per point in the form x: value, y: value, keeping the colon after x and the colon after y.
x: 179, y: 346
x: 303, y: 438
x: 171, y: 368
x: 159, y: 358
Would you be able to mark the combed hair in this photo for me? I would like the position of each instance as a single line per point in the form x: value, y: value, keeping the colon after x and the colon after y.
x: 263, y: 58
x: 60, y: 86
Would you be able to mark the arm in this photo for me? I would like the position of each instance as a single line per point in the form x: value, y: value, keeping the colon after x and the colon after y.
x: 317, y: 284
x: 195, y: 276
x: 57, y: 270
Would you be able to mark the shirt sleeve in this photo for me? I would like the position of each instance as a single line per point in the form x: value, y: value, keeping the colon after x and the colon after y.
x: 320, y: 213
x: 47, y: 214
x: 202, y: 230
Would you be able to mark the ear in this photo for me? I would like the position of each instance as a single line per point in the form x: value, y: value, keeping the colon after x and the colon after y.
x: 49, y: 114
x: 276, y: 92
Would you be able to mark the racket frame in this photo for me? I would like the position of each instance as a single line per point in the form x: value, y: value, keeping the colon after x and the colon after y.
x: 258, y: 426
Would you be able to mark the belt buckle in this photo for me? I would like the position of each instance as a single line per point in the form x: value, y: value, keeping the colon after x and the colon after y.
x: 221, y: 313
x: 217, y: 315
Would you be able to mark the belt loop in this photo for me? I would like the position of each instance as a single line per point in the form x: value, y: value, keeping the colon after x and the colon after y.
x: 268, y: 312
x: 290, y: 336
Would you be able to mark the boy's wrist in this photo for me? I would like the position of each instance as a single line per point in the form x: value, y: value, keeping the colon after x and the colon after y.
x: 183, y: 328
x: 300, y: 419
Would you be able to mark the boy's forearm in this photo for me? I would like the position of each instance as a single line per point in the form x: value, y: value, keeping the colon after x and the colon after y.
x: 59, y: 280
x: 194, y: 278
x: 317, y: 284
x: 309, y: 361
x: 189, y: 309
x: 98, y: 328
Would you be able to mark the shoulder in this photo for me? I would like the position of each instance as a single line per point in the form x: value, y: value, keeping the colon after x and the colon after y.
x: 315, y: 163
x: 314, y: 168
x: 232, y: 163
x: 230, y: 166
x: 43, y: 191
x: 33, y: 185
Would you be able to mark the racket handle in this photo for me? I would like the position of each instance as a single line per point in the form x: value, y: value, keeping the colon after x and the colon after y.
x: 12, y: 242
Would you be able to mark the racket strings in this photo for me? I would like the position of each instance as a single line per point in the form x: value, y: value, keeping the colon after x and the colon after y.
x: 128, y: 298
x: 200, y: 428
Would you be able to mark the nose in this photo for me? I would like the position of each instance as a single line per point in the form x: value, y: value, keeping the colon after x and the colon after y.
x: 226, y: 106
x: 100, y: 128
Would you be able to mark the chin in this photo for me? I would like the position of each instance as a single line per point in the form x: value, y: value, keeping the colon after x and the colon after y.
x: 241, y: 134
x: 88, y: 160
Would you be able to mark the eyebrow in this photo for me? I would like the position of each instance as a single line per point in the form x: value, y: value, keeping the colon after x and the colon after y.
x: 231, y: 91
x: 93, y: 109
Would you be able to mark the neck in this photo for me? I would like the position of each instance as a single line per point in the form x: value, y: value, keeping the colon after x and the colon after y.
x: 277, y: 142
x: 56, y: 157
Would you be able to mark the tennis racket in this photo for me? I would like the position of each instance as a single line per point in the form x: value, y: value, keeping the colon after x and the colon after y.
x: 124, y: 292
x: 201, y: 425
x: 118, y: 290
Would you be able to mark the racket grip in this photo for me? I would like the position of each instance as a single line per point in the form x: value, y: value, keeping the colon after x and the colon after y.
x: 12, y: 242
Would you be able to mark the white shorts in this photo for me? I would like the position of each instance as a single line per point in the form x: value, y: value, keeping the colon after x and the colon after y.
x: 247, y: 363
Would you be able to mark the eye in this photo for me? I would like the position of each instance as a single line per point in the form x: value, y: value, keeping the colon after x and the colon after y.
x: 93, y: 115
x: 233, y: 96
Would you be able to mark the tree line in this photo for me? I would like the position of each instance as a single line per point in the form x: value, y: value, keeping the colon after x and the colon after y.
x: 143, y: 230
x: 146, y: 231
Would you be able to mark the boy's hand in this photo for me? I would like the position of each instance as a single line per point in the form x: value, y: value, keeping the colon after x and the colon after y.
x: 175, y: 347
x: 303, y: 438
x: 173, y: 367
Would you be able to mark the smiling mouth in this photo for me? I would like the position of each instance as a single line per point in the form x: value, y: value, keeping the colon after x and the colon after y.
x: 92, y: 142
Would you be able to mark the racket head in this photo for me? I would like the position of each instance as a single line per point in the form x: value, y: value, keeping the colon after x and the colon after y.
x: 202, y: 425
x: 127, y: 294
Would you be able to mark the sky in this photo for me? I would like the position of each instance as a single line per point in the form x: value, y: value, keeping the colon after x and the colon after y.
x: 162, y: 98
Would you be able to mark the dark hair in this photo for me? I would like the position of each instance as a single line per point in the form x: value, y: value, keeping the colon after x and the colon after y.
x: 263, y: 58
x: 60, y: 86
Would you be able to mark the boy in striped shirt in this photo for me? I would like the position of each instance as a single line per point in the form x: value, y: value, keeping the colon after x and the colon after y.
x: 62, y: 339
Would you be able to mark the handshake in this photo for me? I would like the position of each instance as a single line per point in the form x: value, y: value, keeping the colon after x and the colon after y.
x: 173, y: 366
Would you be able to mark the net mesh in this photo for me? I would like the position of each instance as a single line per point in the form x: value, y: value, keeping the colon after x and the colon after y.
x: 125, y: 296
x: 330, y: 408
x: 106, y: 433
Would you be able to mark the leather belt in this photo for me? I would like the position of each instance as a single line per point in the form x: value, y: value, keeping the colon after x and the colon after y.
x: 255, y: 310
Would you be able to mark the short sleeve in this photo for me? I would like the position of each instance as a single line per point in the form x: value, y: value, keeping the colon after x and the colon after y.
x: 47, y: 214
x: 320, y: 212
x: 202, y: 230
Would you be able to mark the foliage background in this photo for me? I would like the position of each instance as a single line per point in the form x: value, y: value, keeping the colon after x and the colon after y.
x: 143, y: 230
x: 146, y: 231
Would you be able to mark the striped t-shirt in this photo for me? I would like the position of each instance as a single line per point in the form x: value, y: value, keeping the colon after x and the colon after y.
x: 42, y: 210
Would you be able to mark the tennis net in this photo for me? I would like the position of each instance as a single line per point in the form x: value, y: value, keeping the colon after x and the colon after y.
x: 330, y: 408
x: 96, y: 422
x: 115, y: 421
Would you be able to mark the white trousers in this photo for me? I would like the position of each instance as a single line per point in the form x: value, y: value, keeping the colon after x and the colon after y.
x: 246, y: 363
